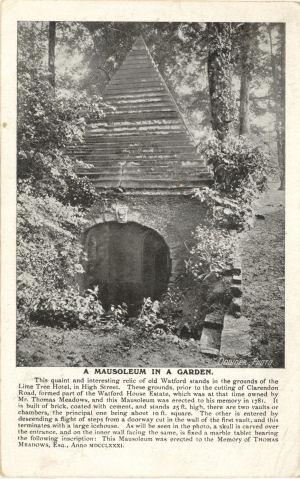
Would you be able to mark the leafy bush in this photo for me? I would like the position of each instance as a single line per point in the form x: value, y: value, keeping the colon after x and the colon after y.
x: 48, y: 249
x: 171, y: 304
x: 48, y: 123
x: 118, y: 313
x: 68, y: 309
x: 240, y: 171
x: 213, y: 251
x: 183, y: 308
x: 148, y: 315
x: 158, y: 318
x: 222, y: 211
x: 234, y: 162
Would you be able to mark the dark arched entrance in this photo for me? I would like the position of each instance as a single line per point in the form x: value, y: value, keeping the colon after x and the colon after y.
x: 127, y: 261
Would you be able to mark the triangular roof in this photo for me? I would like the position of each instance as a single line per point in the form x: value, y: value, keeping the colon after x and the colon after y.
x: 144, y: 143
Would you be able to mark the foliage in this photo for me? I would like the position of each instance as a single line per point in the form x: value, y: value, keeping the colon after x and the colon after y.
x: 47, y: 125
x: 148, y: 317
x: 240, y: 171
x: 213, y: 252
x: 51, y: 197
x: 118, y: 313
x: 171, y: 305
x: 48, y: 250
x: 183, y: 308
x: 222, y: 211
x: 162, y: 318
x: 234, y: 162
x: 68, y: 309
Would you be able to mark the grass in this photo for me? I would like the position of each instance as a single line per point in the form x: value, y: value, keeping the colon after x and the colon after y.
x: 263, y: 279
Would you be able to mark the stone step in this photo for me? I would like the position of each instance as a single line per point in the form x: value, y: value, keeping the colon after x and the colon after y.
x: 177, y: 180
x: 214, y: 320
x: 101, y: 167
x: 159, y: 130
x: 101, y: 163
x: 237, y: 279
x: 235, y: 307
x: 210, y: 341
x: 149, y: 184
x: 147, y: 94
x: 140, y: 149
x: 136, y: 142
x: 146, y: 157
x: 236, y: 290
x: 142, y: 133
x: 147, y: 178
x: 235, y: 340
x: 112, y: 117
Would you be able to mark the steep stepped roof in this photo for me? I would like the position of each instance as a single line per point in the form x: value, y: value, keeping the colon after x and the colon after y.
x: 144, y: 143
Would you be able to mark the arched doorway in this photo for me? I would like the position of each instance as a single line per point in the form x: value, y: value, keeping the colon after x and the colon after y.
x: 127, y: 261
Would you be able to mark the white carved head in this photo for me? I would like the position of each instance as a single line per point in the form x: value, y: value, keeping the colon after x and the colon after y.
x: 121, y: 213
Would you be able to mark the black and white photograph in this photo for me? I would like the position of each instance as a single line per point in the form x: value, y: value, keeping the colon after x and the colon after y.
x: 150, y: 194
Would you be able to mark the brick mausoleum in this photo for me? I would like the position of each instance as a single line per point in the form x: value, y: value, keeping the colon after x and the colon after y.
x: 136, y: 243
x: 145, y: 158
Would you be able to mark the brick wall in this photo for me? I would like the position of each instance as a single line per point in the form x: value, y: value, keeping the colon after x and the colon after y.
x: 173, y: 217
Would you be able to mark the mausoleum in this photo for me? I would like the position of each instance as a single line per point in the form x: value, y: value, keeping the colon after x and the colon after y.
x: 143, y: 151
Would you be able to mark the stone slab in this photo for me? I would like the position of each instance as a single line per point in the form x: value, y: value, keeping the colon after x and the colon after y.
x: 235, y: 340
x: 235, y: 307
x: 237, y: 279
x: 210, y: 341
x: 236, y: 290
x: 214, y: 320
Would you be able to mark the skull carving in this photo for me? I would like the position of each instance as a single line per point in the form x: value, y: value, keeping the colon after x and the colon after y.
x: 121, y: 213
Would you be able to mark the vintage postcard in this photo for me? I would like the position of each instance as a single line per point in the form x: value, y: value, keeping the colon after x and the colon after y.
x: 150, y: 238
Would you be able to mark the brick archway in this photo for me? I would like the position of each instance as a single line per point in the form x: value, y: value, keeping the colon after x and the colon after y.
x: 127, y: 261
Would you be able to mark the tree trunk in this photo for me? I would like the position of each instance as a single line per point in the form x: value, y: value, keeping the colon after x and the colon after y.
x: 278, y: 72
x: 244, y: 104
x: 219, y: 77
x: 281, y: 157
x: 51, y: 53
x: 247, y: 48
